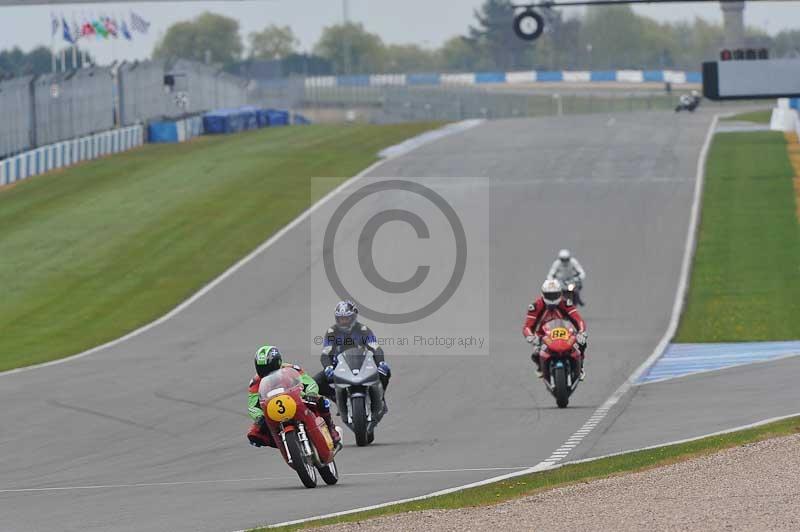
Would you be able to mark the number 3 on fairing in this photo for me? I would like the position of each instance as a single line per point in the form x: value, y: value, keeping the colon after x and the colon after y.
x: 281, y: 408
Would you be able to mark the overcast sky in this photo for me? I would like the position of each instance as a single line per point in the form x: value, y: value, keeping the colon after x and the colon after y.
x: 425, y: 22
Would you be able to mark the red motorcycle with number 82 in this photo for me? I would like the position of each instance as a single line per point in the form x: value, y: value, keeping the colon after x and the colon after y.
x: 305, y: 441
x: 561, y: 360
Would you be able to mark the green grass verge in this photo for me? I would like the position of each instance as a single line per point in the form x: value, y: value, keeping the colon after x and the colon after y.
x: 759, y: 117
x: 744, y: 283
x: 570, y: 474
x: 97, y: 250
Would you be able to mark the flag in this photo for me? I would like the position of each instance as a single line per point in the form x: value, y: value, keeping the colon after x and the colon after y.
x: 100, y: 29
x: 125, y: 32
x: 53, y: 25
x: 67, y: 35
x: 138, y: 23
x: 87, y: 30
x: 111, y: 26
x: 76, y: 30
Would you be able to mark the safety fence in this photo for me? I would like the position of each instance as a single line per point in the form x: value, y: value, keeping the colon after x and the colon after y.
x: 62, y: 154
x: 518, y: 77
x: 40, y: 110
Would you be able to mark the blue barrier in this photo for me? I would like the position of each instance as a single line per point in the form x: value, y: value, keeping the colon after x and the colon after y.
x: 549, y: 75
x: 653, y: 75
x: 603, y: 75
x: 277, y: 117
x: 490, y: 77
x: 423, y: 79
x: 694, y: 77
x: 158, y: 132
x: 300, y: 120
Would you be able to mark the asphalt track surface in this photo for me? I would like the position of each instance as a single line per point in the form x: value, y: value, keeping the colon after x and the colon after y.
x: 149, y: 434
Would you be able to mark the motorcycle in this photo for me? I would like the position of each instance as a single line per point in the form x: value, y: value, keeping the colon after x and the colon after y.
x: 571, y: 290
x: 359, y: 393
x: 688, y: 102
x: 306, y: 442
x: 561, y: 360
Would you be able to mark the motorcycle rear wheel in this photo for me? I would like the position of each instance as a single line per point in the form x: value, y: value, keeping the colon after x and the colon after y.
x: 360, y: 421
x: 561, y: 388
x: 306, y: 471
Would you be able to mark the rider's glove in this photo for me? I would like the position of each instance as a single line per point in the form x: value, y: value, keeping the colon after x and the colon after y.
x: 328, y: 372
x: 262, y: 424
x: 582, y: 338
x: 531, y: 339
x: 383, y: 369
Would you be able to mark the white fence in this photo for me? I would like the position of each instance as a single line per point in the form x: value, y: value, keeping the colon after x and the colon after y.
x: 69, y: 152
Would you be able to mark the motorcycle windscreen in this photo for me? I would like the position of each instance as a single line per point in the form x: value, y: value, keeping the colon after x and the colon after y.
x: 279, y: 381
x: 356, y: 366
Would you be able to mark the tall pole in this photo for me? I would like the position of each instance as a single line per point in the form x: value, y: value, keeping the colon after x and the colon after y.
x: 346, y: 18
x: 733, y: 18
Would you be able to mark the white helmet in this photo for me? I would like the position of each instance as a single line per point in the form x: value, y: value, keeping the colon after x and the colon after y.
x: 564, y: 255
x: 551, y: 293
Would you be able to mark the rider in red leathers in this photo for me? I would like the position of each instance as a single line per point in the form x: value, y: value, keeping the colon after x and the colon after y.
x: 550, y: 306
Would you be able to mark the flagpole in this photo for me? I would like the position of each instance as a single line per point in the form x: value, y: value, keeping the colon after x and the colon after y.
x: 52, y: 44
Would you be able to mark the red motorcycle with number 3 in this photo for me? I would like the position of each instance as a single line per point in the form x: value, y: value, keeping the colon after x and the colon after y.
x: 305, y: 441
x: 561, y: 360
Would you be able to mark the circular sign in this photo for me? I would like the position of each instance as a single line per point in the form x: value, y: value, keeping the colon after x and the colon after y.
x: 528, y: 25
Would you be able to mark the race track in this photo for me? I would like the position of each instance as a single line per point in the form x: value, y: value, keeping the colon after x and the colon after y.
x: 149, y: 434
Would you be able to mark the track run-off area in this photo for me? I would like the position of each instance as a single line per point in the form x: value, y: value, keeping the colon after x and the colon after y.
x: 148, y: 434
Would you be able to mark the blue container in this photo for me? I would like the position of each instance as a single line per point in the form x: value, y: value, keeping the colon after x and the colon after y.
x: 158, y: 132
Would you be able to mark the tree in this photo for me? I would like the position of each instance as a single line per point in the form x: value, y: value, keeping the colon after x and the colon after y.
x: 15, y: 62
x: 409, y: 58
x: 273, y: 42
x: 208, y: 33
x: 502, y: 48
x: 351, y: 49
x: 458, y: 54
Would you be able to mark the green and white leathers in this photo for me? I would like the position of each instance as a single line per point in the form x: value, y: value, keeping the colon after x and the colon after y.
x: 268, y: 359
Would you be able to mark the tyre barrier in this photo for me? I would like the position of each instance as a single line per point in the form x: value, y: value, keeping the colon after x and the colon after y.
x: 69, y: 152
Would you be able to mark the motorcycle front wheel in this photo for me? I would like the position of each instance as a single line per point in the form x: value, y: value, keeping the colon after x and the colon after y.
x: 306, y: 471
x: 360, y: 421
x: 561, y: 388
x: 329, y: 473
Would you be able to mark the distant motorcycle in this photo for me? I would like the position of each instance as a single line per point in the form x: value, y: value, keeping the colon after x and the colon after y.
x: 571, y: 290
x: 560, y: 360
x: 306, y: 443
x: 359, y: 393
x: 688, y: 102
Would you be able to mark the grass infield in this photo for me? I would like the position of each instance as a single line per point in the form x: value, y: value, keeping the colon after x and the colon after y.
x: 570, y: 474
x: 744, y: 283
x: 94, y: 251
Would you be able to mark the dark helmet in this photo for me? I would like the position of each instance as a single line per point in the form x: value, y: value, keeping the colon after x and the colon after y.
x: 346, y: 314
x: 267, y: 360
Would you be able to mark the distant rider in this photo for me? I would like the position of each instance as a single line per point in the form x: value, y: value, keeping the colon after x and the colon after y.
x: 550, y: 306
x: 566, y: 268
x: 348, y: 332
x: 268, y: 359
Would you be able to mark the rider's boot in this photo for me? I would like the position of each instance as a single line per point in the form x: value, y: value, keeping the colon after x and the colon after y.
x: 332, y: 428
x: 535, y: 359
x: 583, y: 368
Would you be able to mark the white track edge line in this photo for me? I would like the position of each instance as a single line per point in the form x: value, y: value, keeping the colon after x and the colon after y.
x: 447, y: 130
x: 615, y: 397
x: 543, y: 466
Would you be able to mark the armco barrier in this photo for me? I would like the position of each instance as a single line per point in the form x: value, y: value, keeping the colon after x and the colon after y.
x: 69, y: 152
x: 525, y: 76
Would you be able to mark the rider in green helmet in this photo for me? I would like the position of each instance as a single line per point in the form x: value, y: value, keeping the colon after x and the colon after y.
x: 268, y: 359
